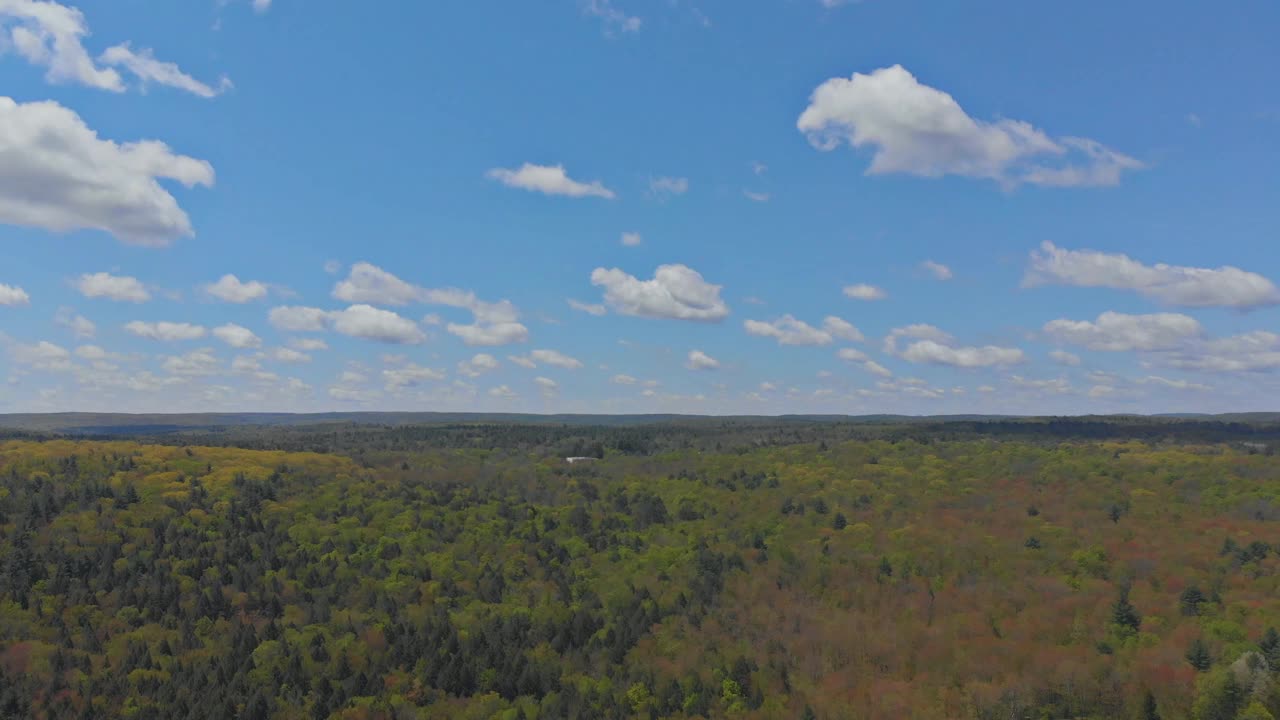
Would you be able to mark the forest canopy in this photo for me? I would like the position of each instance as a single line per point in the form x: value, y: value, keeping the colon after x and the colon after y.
x: 973, y: 569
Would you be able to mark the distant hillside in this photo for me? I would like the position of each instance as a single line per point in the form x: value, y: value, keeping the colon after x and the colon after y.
x: 162, y: 423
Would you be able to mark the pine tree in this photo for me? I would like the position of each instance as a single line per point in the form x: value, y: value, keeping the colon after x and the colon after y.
x: 1198, y: 655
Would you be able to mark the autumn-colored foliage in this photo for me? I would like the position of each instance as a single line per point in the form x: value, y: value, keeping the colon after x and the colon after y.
x: 875, y: 578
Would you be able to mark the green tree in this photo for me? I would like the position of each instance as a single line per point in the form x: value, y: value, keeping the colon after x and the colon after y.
x: 1198, y: 655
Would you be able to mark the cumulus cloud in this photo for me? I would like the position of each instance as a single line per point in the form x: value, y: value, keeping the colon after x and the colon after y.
x: 295, y: 318
x: 862, y: 360
x: 632, y: 239
x: 699, y: 360
x: 523, y: 361
x: 787, y: 330
x: 43, y: 355
x: 409, y: 375
x: 230, y: 288
x: 918, y: 130
x: 237, y: 336
x: 11, y: 295
x: 1118, y: 332
x: 165, y: 331
x: 932, y: 352
x: 549, y: 180
x: 549, y: 387
x: 1249, y: 352
x: 478, y: 365
x: 57, y: 174
x: 149, y: 70
x: 79, y: 325
x: 1062, y: 357
x: 665, y: 187
x: 936, y: 269
x: 367, y: 283
x: 588, y: 308
x: 503, y: 392
x: 495, y: 323
x: 195, y: 363
x: 1172, y: 284
x: 1174, y: 384
x: 112, y: 287
x: 623, y: 380
x: 675, y: 292
x: 555, y: 359
x: 289, y: 355
x: 50, y: 35
x: 927, y: 344
x: 613, y: 18
x: 371, y: 323
x: 308, y: 344
x: 865, y: 292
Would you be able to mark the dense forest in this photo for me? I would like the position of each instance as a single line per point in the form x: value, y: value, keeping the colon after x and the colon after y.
x: 1054, y: 569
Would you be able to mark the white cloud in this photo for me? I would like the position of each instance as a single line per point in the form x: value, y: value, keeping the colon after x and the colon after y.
x: 495, y: 323
x: 165, y: 331
x: 1174, y: 384
x: 522, y: 361
x: 148, y: 69
x: 1172, y: 284
x: 112, y: 287
x: 1118, y: 332
x: 865, y: 292
x: 91, y: 353
x: 555, y: 359
x: 935, y: 353
x: 410, y: 376
x: 237, y: 336
x: 631, y: 239
x: 308, y: 344
x: 588, y: 308
x: 918, y: 130
x: 1062, y: 357
x: 613, y: 18
x: 917, y: 332
x: 57, y: 174
x: 841, y: 329
x: 79, y: 325
x: 490, y: 334
x: 550, y: 388
x: 1051, y: 386
x: 43, y: 355
x: 936, y: 269
x: 932, y: 346
x: 503, y: 392
x: 367, y: 283
x: 295, y: 318
x: 50, y: 35
x: 289, y: 355
x: 1254, y: 351
x: 549, y: 180
x: 788, y: 330
x: 371, y: 323
x: 664, y: 187
x: 623, y: 380
x: 229, y: 288
x: 194, y: 363
x: 860, y: 359
x: 760, y: 197
x: 11, y: 295
x: 676, y: 292
x: 478, y: 365
x: 699, y: 360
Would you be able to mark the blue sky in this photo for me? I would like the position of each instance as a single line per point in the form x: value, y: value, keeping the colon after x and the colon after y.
x: 1048, y: 209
